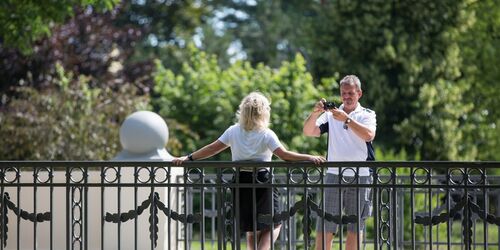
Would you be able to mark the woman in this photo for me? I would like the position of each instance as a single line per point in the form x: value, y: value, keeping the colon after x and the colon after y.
x: 251, y: 140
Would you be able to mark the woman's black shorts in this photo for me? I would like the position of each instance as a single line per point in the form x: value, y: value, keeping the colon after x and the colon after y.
x: 261, y: 202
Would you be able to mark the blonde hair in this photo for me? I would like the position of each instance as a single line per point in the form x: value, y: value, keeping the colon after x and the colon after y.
x: 254, y: 112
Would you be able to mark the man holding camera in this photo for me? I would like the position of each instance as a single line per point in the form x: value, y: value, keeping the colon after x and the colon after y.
x: 351, y: 130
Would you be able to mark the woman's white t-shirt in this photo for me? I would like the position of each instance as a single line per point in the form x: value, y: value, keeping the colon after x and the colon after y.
x: 254, y: 145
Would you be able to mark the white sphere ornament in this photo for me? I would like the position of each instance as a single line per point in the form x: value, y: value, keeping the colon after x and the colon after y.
x: 143, y: 132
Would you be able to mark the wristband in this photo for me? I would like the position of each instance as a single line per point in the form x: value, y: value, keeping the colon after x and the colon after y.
x: 190, y: 157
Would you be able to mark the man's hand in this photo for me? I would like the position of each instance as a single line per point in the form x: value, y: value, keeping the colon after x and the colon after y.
x: 319, y: 106
x: 310, y: 128
x: 339, y: 115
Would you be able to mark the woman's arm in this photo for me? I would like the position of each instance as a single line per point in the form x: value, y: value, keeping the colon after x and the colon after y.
x: 205, y: 152
x: 286, y: 155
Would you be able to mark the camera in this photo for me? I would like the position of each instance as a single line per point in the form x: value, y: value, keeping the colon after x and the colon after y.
x: 328, y: 105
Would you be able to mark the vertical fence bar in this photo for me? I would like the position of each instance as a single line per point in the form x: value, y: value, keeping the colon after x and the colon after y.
x: 288, y: 236
x: 213, y: 223
x: 231, y: 214
x: 185, y: 197
x: 18, y: 176
x: 306, y: 211
x: 436, y: 200
x: 152, y: 208
x: 497, y: 213
x: 271, y: 180
x: 449, y: 222
x: 412, y: 206
x: 77, y: 222
x: 429, y: 210
x: 18, y: 219
x: 2, y: 206
x: 376, y: 207
x: 68, y: 201
x: 85, y: 209
x: 323, y: 208
x: 223, y: 208
x: 177, y: 206
x: 340, y: 227
x: 220, y: 214
x: 294, y: 195
x: 465, y: 215
x: 35, y: 189
x: 401, y: 213
x: 237, y: 207
x: 136, y: 219
x: 202, y: 208
x: 358, y: 210
x: 170, y: 206
x: 394, y: 207
x: 51, y: 207
x: 474, y: 224
x: 119, y: 207
x: 498, y: 227
x: 102, y: 181
x: 486, y: 206
x: 254, y: 207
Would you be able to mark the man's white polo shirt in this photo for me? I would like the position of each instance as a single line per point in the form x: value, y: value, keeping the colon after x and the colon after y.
x: 343, y: 144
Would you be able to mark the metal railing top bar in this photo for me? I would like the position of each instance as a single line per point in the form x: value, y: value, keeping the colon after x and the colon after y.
x: 247, y: 164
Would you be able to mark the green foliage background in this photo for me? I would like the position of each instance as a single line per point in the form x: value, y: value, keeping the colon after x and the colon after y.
x: 429, y: 69
x: 24, y: 22
x: 206, y: 96
x: 68, y: 122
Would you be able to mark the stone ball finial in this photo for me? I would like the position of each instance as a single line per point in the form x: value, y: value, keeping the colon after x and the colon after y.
x: 143, y: 132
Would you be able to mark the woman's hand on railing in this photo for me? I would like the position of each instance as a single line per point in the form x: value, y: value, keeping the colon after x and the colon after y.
x: 317, y: 159
x: 179, y: 160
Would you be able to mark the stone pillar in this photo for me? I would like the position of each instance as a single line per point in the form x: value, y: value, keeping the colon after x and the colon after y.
x: 143, y: 136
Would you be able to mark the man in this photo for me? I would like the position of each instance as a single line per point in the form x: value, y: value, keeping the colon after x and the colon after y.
x: 351, y: 129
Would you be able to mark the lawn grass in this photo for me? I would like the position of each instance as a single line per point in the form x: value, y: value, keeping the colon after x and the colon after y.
x: 439, y: 236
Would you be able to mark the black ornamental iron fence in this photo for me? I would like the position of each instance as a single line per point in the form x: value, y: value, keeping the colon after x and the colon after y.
x: 155, y: 205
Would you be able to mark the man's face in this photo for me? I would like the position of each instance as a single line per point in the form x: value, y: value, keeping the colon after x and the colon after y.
x: 350, y: 96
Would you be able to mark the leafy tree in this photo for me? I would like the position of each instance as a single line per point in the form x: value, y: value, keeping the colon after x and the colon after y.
x: 205, y: 98
x: 165, y: 26
x: 462, y: 122
x: 163, y: 21
x: 481, y: 57
x: 69, y: 122
x: 75, y: 105
x: 438, y: 124
x: 115, y: 46
x: 402, y: 51
x: 87, y: 44
x: 98, y: 48
x: 24, y: 22
x: 407, y: 53
x: 269, y: 31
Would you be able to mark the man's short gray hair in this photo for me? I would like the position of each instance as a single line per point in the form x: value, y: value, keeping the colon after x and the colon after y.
x: 350, y: 80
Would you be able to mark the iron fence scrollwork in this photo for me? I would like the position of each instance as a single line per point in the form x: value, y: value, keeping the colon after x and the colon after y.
x: 4, y: 219
x: 154, y: 203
